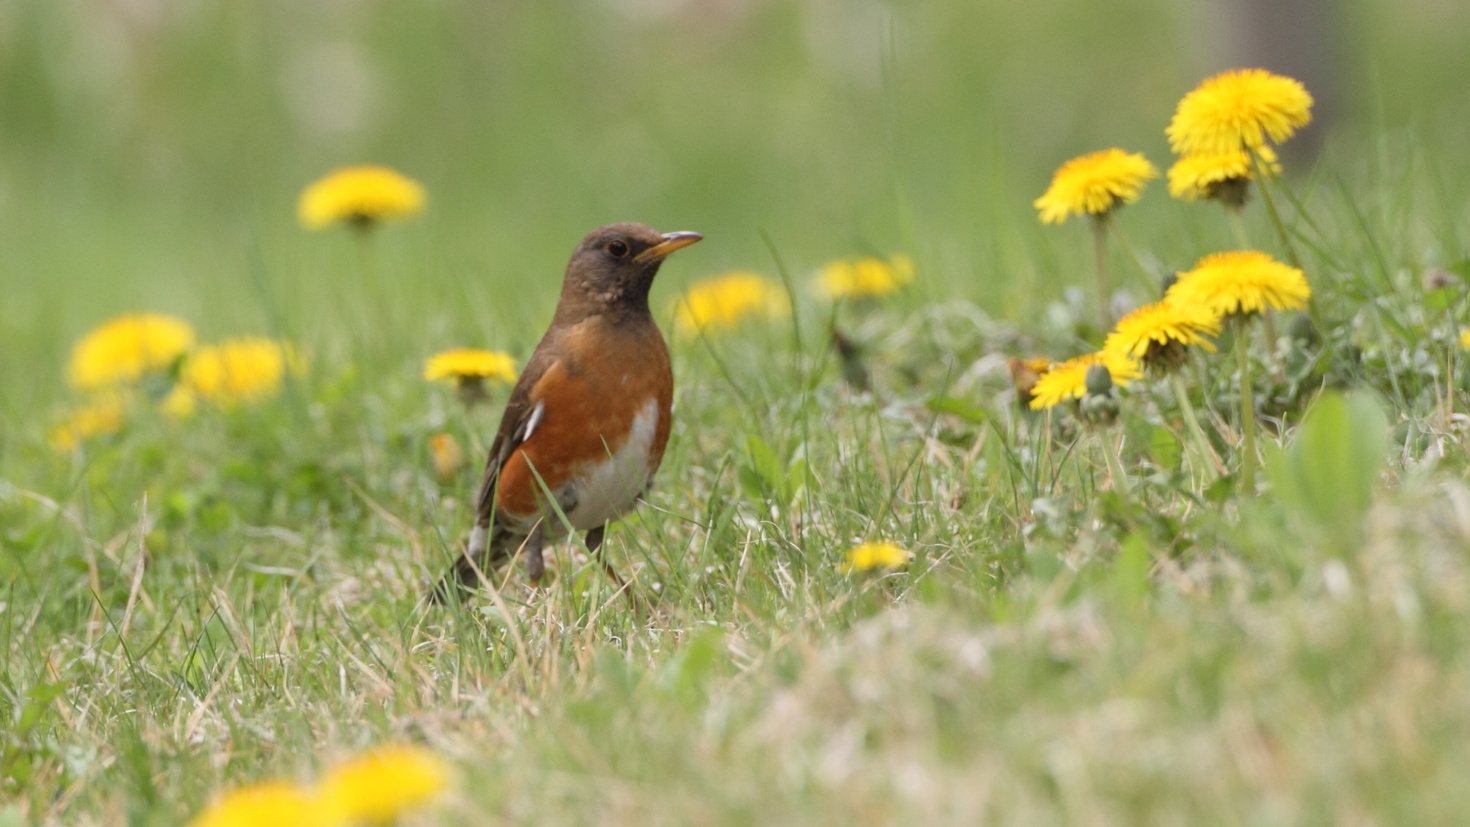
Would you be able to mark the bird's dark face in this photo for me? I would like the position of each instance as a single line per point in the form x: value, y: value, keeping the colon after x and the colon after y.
x: 614, y: 266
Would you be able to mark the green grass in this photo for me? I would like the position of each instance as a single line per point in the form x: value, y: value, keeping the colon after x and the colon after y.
x: 189, y: 607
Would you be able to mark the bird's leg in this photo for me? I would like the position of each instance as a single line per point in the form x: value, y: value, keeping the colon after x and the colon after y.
x: 594, y: 542
x: 535, y: 564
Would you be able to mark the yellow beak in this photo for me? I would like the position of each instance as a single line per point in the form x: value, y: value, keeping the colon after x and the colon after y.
x: 671, y: 242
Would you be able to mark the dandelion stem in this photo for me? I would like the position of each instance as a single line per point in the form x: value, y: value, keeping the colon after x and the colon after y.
x: 1112, y: 453
x: 1148, y: 278
x: 1100, y: 252
x: 1262, y: 175
x: 1247, y: 410
x: 1197, y: 434
x: 1237, y: 225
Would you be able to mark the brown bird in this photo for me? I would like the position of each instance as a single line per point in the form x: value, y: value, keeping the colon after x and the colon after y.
x: 588, y: 421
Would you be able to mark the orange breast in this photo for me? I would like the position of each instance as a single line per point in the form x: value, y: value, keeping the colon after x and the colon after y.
x: 605, y: 377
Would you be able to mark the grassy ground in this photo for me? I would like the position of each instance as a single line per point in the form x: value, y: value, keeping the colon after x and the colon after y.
x: 188, y: 607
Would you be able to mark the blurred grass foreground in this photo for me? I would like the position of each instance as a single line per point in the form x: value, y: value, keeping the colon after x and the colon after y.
x: 929, y: 545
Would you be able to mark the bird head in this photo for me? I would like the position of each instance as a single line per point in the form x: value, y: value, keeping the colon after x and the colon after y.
x: 614, y: 267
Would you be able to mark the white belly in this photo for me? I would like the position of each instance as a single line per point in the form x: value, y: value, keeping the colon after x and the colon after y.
x: 606, y: 490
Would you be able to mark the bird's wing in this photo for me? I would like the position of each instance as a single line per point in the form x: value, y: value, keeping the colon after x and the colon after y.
x: 523, y: 414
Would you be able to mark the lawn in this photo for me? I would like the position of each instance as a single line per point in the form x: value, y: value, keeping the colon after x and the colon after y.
x: 1090, y: 619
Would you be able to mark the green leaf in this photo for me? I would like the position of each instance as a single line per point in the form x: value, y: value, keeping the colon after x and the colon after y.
x: 1441, y: 300
x: 767, y: 469
x: 687, y: 673
x: 1326, y: 477
x: 1166, y: 448
x: 962, y: 408
x: 1130, y: 580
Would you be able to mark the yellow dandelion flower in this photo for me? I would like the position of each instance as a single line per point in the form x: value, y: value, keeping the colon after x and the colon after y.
x: 127, y: 348
x: 1156, y: 334
x: 101, y: 416
x: 1068, y: 380
x: 378, y: 787
x: 467, y: 364
x: 1236, y: 110
x: 868, y: 556
x: 362, y: 196
x: 1095, y: 184
x: 238, y: 370
x: 724, y: 301
x: 273, y: 803
x: 857, y: 277
x: 1240, y: 281
x: 1465, y: 338
x: 1218, y: 175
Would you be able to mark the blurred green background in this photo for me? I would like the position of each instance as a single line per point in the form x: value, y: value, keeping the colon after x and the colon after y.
x: 151, y: 152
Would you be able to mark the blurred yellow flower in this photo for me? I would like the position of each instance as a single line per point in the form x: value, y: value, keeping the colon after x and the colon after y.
x: 104, y: 415
x: 126, y: 348
x: 867, y: 556
x: 236, y: 371
x: 1156, y: 334
x: 1218, y: 175
x: 467, y: 364
x: 1095, y: 184
x: 378, y: 787
x: 1025, y: 373
x: 448, y: 458
x: 1068, y: 380
x: 855, y: 277
x: 1238, y: 110
x: 269, y: 804
x: 362, y: 196
x: 1240, y: 281
x: 1465, y: 338
x: 724, y: 301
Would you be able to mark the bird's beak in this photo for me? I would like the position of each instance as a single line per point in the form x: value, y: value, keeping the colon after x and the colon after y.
x: 671, y: 242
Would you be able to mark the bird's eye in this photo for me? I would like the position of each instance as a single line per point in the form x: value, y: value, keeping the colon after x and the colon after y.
x: 618, y: 248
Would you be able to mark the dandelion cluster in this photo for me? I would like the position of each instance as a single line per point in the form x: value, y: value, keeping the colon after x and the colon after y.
x: 1224, y: 131
x: 376, y: 788
x: 151, y: 357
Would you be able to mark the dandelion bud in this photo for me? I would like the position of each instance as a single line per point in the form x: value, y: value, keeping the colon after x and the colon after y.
x: 1098, y: 409
x: 1099, y: 381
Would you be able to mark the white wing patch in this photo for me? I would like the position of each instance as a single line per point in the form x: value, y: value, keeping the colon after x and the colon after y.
x: 534, y: 420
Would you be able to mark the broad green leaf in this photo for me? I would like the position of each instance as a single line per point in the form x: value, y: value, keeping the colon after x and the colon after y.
x: 1166, y: 448
x: 962, y: 408
x: 1326, y: 477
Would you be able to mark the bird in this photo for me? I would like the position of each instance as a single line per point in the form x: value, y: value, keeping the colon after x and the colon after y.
x: 586, y: 425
